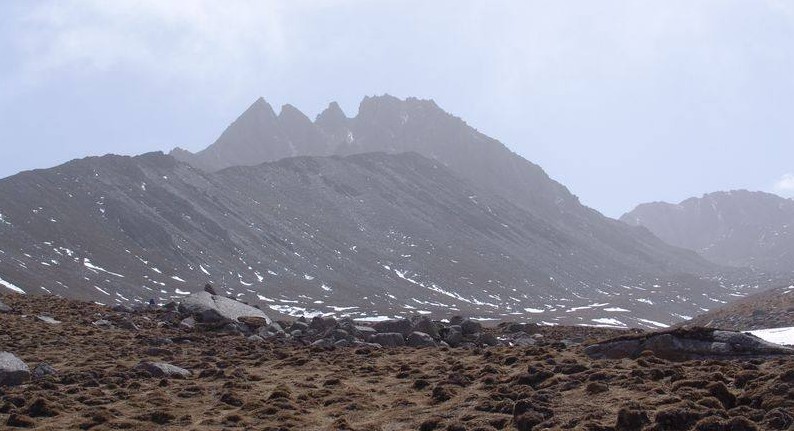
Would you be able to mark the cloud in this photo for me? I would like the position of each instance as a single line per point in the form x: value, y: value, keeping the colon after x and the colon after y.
x: 201, y: 41
x: 785, y: 185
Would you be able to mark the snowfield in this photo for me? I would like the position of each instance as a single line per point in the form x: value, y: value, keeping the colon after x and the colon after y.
x: 783, y: 336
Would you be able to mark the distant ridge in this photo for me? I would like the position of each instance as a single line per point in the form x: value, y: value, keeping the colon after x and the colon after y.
x: 738, y: 228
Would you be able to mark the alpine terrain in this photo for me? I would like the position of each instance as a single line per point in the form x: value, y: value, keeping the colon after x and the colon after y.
x: 403, y: 209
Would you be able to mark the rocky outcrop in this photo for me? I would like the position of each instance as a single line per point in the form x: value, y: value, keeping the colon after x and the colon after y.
x: 208, y: 308
x: 4, y: 308
x: 688, y: 343
x: 13, y: 371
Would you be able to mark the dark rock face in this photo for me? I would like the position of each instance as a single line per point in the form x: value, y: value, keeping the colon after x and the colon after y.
x: 13, y: 371
x: 162, y: 369
x: 4, y: 308
x: 684, y: 344
x: 738, y: 228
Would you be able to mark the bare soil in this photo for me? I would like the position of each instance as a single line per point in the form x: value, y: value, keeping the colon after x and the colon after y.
x: 279, y: 385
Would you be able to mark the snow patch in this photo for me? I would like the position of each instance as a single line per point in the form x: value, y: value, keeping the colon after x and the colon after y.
x: 11, y: 286
x: 651, y: 322
x: 87, y: 263
x: 784, y: 336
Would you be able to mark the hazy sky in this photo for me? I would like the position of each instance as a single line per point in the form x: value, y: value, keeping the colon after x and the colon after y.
x: 623, y: 102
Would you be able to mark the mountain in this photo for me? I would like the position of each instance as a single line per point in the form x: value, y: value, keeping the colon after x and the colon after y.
x: 737, y: 228
x: 388, y: 124
x: 402, y: 209
x: 363, y: 235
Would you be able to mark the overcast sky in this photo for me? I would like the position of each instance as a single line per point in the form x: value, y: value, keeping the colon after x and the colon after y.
x: 623, y: 102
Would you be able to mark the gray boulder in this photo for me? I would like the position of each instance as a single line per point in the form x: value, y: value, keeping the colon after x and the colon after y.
x: 402, y: 326
x: 43, y: 370
x: 420, y: 339
x: 208, y: 308
x: 470, y: 327
x: 163, y: 369
x: 364, y: 332
x: 454, y: 336
x: 688, y: 343
x: 388, y: 339
x: 322, y: 324
x: 4, y: 308
x: 487, y: 339
x: 187, y: 323
x: 13, y: 371
x: 104, y: 324
x: 48, y: 319
x: 424, y: 324
x: 299, y: 326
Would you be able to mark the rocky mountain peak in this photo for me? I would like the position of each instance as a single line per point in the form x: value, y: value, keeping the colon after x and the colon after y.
x: 331, y: 117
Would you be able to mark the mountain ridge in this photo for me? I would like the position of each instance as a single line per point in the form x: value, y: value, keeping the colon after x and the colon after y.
x: 736, y: 228
x: 363, y: 235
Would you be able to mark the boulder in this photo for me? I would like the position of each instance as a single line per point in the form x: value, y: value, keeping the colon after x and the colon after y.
x: 420, y: 339
x: 687, y: 343
x: 487, y: 339
x: 402, y: 326
x: 43, y: 370
x: 322, y: 324
x: 127, y: 324
x: 102, y: 323
x: 340, y: 334
x: 4, y: 308
x: 388, y: 339
x: 255, y: 339
x: 163, y: 369
x: 470, y: 327
x: 13, y: 371
x: 364, y: 332
x: 454, y: 335
x: 424, y: 324
x: 187, y: 323
x: 48, y: 319
x: 121, y: 308
x: 299, y: 326
x: 208, y: 308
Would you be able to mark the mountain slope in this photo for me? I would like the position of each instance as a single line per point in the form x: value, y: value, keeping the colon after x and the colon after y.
x: 738, y: 228
x: 362, y: 235
x: 772, y: 308
x: 391, y: 125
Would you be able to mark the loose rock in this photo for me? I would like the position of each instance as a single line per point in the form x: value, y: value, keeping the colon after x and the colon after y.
x: 163, y: 369
x: 13, y: 371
